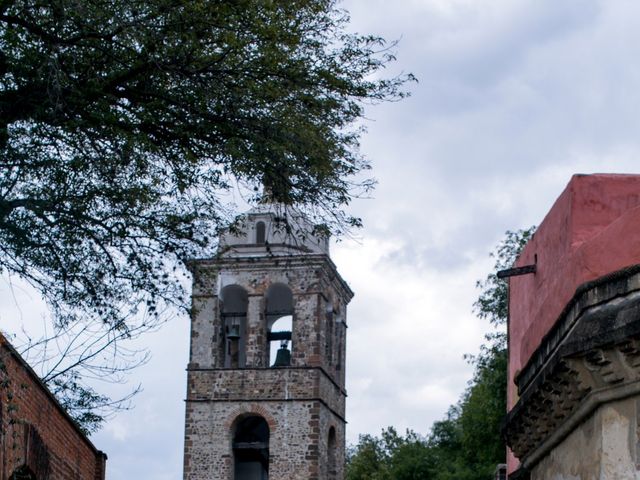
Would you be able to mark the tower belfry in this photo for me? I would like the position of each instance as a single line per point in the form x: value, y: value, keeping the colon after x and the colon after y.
x: 265, y: 393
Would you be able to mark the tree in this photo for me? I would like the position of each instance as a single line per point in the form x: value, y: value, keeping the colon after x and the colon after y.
x: 390, y: 457
x: 467, y: 444
x: 492, y: 304
x: 476, y: 442
x: 126, y: 125
x: 69, y: 361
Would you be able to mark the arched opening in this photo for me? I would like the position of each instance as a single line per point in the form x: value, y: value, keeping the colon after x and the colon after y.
x: 233, y: 309
x: 279, y: 316
x: 22, y: 473
x: 251, y: 449
x: 339, y: 338
x: 280, y: 335
x: 331, y: 455
x: 329, y: 333
x: 261, y: 233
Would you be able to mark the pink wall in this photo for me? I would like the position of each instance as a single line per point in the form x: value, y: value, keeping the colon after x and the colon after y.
x: 592, y: 229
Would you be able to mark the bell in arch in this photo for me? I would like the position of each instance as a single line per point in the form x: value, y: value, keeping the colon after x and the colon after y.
x: 283, y: 356
x: 234, y: 332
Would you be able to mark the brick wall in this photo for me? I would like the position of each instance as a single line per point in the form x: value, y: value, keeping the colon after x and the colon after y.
x: 36, y: 432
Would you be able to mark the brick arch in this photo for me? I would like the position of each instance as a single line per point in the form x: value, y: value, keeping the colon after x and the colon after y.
x: 32, y: 449
x: 252, y: 409
x: 23, y: 473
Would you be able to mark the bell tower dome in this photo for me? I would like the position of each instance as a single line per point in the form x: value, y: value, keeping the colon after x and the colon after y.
x: 265, y: 393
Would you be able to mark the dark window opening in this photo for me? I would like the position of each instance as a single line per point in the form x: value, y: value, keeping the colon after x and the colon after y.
x: 261, y: 233
x: 332, y: 465
x: 22, y: 473
x: 329, y: 333
x: 234, y: 301
x: 339, y: 329
x: 251, y: 449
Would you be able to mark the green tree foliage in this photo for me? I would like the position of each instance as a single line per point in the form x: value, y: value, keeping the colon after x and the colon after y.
x: 390, y: 457
x: 125, y: 125
x: 467, y: 443
x: 492, y: 304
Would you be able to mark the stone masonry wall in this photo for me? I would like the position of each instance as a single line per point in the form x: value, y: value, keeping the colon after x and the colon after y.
x: 313, y: 282
x: 302, y: 402
x: 328, y: 420
x: 266, y: 384
x: 605, y: 446
x: 297, y: 443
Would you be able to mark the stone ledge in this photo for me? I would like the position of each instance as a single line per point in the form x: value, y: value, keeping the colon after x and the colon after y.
x: 587, y: 296
x: 592, y: 357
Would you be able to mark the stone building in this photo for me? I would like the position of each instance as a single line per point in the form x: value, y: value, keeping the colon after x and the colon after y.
x: 38, y: 439
x: 265, y: 394
x: 574, y: 338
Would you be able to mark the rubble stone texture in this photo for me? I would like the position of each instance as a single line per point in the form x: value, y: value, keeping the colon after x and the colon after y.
x: 258, y: 278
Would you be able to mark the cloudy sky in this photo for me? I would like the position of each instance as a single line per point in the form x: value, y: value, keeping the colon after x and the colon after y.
x: 514, y: 96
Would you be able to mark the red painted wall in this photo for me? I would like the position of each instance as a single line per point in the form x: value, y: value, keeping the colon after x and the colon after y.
x: 31, y: 421
x: 592, y: 229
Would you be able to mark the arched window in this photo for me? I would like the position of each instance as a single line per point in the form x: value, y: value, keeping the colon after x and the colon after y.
x: 339, y: 337
x: 261, y: 233
x: 279, y: 316
x: 22, y: 473
x: 331, y: 455
x: 329, y: 333
x: 279, y: 337
x: 251, y: 449
x: 233, y: 309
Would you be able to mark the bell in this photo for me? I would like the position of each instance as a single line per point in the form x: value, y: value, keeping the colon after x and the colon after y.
x: 234, y: 332
x: 283, y: 356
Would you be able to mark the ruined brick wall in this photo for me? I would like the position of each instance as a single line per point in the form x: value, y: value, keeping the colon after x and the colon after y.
x: 36, y: 432
x: 302, y: 403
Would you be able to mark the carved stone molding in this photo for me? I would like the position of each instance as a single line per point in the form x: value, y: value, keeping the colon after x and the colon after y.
x: 592, y: 357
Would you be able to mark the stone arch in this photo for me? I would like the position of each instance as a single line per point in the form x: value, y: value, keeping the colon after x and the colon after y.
x: 247, y: 410
x: 332, y: 454
x: 278, y: 301
x: 250, y: 435
x: 234, y: 302
x: 261, y: 232
x: 329, y: 331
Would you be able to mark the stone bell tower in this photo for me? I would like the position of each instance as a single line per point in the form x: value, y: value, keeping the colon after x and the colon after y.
x: 265, y: 394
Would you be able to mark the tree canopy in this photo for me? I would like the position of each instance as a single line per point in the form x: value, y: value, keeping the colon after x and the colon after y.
x: 125, y: 126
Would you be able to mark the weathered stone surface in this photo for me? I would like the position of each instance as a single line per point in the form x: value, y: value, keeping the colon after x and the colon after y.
x: 303, y: 404
x: 602, y: 447
x: 576, y: 415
